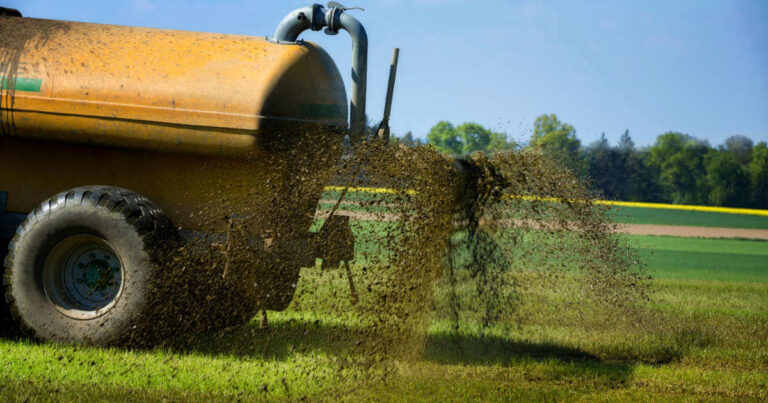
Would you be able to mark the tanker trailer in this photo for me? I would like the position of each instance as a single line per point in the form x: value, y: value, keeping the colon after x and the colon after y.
x: 113, y: 139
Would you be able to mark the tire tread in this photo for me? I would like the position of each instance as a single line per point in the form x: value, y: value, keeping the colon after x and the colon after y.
x: 149, y: 222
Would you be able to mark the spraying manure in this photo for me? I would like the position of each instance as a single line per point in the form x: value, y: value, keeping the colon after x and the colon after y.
x: 174, y: 213
x: 482, y: 244
x: 478, y: 243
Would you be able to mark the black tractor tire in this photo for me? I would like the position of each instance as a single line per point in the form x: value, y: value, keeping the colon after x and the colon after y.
x: 80, y: 267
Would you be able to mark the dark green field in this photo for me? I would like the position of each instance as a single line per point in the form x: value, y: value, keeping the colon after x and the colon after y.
x: 637, y: 215
x: 705, y: 259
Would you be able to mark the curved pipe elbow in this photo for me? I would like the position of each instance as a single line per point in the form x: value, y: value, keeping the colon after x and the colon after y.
x: 356, y: 31
x: 293, y: 25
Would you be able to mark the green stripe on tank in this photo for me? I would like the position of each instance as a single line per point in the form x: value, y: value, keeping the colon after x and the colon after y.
x: 323, y: 111
x: 21, y: 84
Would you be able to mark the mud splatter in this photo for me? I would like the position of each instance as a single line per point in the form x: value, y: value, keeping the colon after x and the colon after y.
x: 528, y: 227
x: 476, y: 242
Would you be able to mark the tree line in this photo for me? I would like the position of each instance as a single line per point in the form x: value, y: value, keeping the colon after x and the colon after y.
x: 678, y: 168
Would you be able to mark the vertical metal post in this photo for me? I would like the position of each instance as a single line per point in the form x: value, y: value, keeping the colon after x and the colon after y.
x: 391, y: 83
x: 383, y: 132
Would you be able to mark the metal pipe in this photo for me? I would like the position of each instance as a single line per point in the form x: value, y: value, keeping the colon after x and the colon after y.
x: 298, y: 21
x: 359, y: 75
x: 316, y: 17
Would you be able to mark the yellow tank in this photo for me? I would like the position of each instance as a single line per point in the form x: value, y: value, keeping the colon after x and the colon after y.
x: 159, y: 89
x: 171, y: 115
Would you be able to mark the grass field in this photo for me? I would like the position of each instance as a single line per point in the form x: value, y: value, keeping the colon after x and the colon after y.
x: 703, y: 336
x: 705, y: 340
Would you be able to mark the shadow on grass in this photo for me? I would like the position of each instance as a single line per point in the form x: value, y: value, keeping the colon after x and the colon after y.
x: 490, y: 350
x: 279, y: 341
x: 451, y: 348
x: 283, y: 339
x: 561, y: 361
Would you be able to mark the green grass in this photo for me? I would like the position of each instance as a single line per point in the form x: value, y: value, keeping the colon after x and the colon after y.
x: 700, y: 339
x: 704, y: 259
x: 636, y: 215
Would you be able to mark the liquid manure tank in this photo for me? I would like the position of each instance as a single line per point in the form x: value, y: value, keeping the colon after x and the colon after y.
x: 154, y: 130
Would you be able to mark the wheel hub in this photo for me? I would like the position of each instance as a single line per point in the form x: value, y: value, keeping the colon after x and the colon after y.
x: 82, y: 276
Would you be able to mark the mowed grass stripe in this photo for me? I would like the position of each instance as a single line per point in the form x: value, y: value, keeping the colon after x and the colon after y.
x: 704, y: 259
x: 706, y: 266
x: 738, y: 246
x: 637, y: 215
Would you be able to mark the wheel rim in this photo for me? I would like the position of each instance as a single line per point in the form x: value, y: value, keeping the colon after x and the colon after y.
x: 83, y: 276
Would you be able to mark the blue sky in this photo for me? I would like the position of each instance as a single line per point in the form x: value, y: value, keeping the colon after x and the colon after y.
x: 695, y: 66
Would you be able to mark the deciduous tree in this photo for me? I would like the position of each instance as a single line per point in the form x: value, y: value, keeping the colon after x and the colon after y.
x: 558, y: 139
x: 758, y: 174
x: 679, y: 159
x: 445, y: 138
x: 466, y: 139
x: 726, y: 181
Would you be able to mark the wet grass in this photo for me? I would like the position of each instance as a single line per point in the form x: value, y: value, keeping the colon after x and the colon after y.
x: 702, y: 339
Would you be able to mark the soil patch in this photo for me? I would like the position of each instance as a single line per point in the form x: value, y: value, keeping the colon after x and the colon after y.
x: 692, y: 232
